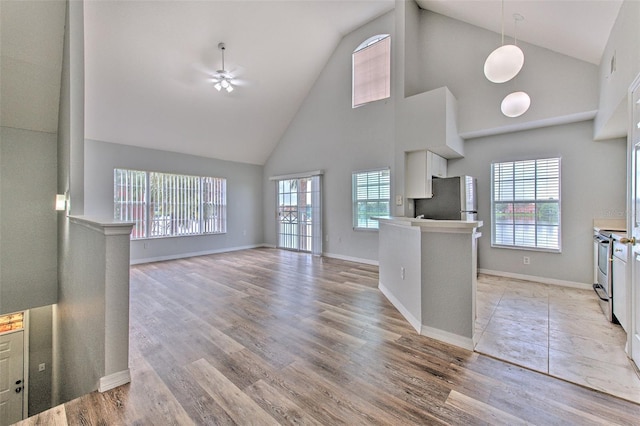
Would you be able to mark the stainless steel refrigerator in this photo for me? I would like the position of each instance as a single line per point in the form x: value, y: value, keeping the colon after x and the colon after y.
x: 454, y: 198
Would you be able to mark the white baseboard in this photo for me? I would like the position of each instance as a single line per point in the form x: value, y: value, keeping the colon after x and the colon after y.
x: 193, y: 254
x: 543, y: 280
x: 445, y: 336
x: 114, y: 380
x: 415, y: 323
x: 351, y: 259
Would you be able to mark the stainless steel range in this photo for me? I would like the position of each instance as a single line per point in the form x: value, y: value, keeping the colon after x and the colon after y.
x: 603, y: 286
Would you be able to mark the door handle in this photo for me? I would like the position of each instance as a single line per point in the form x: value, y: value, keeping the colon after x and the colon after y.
x: 631, y: 240
x: 18, y: 389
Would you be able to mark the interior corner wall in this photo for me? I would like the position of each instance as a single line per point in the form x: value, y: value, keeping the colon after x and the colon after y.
x: 593, y: 176
x: 244, y: 197
x: 328, y: 134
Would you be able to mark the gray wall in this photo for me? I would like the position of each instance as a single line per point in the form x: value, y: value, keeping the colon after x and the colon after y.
x: 593, y: 186
x: 28, y: 260
x: 244, y: 196
x: 328, y: 134
x: 81, y: 313
x: 40, y: 351
x: 453, y: 55
x: 624, y: 44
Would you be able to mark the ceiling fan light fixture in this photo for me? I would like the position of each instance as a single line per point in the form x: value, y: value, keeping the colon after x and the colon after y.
x: 515, y: 104
x: 222, y: 74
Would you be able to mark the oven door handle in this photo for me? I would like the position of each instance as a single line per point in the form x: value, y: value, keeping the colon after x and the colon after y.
x: 599, y: 290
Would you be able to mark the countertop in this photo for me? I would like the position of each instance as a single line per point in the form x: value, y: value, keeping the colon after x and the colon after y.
x: 431, y: 223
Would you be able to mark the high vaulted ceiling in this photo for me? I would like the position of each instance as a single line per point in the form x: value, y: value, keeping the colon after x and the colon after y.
x: 147, y: 62
x: 148, y: 65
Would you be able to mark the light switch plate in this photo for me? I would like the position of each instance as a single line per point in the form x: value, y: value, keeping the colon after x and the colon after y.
x: 398, y: 200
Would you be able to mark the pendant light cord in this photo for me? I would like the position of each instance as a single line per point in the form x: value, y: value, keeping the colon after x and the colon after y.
x: 502, y: 22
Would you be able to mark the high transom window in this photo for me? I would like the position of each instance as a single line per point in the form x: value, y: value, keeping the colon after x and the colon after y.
x: 372, y: 70
x: 526, y: 204
x: 168, y: 205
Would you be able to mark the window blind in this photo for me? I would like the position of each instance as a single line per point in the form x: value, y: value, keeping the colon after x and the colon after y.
x: 130, y: 199
x: 371, y: 195
x: 372, y: 72
x: 526, y: 204
x: 165, y: 204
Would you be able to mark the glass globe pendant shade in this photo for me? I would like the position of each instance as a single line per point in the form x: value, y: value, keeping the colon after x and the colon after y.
x: 504, y: 63
x: 515, y: 104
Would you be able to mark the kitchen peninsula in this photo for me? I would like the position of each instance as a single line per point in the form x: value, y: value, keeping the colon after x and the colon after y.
x: 428, y: 271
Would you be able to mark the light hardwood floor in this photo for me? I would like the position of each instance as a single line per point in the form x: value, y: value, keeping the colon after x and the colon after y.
x: 266, y: 336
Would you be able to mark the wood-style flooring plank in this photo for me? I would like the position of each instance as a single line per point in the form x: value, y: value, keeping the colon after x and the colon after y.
x: 236, y: 403
x: 267, y: 336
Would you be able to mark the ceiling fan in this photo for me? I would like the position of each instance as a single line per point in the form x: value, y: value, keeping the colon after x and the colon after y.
x: 223, y: 79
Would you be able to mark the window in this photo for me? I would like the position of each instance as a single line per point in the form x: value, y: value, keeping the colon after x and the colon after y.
x: 526, y: 204
x: 371, y: 194
x: 372, y: 70
x: 165, y: 205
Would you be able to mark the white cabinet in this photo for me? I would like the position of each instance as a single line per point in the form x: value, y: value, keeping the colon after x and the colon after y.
x: 620, y: 283
x: 420, y: 167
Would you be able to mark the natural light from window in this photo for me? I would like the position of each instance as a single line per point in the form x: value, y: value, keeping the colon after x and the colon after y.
x: 525, y: 199
x: 371, y: 195
x: 169, y: 205
x: 372, y: 70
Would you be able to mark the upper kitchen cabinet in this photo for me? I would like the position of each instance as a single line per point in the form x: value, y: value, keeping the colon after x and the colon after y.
x: 428, y: 121
x: 420, y: 168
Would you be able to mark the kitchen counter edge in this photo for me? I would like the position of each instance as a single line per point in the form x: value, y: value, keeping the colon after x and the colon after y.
x: 432, y: 224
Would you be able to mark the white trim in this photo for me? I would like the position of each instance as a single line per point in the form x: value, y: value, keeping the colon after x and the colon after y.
x: 114, y: 380
x: 103, y: 225
x: 445, y: 336
x: 543, y: 280
x: 194, y: 254
x: 298, y: 175
x: 536, y: 124
x: 351, y: 259
x: 415, y: 323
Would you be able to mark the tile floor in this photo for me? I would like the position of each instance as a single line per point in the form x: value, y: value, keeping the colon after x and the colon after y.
x: 556, y: 330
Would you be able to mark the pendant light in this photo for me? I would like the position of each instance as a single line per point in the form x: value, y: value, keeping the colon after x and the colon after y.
x: 515, y: 104
x: 506, y: 61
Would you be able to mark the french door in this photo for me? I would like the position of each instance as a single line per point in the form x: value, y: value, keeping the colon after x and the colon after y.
x: 299, y: 221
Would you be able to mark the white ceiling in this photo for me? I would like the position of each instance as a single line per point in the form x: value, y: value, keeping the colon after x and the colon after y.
x: 577, y: 28
x: 147, y: 62
x: 147, y: 66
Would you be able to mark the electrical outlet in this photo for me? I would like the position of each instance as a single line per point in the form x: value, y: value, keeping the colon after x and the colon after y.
x: 42, y: 367
x: 526, y: 260
x: 146, y: 245
x: 326, y: 238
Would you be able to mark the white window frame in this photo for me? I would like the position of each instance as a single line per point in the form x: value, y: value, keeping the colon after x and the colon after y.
x: 541, y: 185
x: 186, y: 205
x: 370, y: 225
x: 382, y: 88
